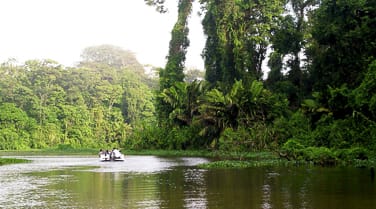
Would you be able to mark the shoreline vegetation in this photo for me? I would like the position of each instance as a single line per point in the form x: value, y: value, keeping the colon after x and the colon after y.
x: 6, y: 161
x: 221, y: 159
x: 316, y: 105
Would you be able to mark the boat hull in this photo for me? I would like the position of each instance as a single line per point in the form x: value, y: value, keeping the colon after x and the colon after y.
x: 108, y: 158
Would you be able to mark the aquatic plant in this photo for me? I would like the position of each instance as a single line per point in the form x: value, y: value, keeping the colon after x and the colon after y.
x: 5, y: 161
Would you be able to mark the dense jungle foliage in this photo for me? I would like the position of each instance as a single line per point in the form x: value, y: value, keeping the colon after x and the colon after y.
x: 44, y: 104
x: 317, y: 102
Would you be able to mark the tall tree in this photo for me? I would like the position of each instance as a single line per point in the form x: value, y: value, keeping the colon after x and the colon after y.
x: 289, y: 43
x: 110, y: 55
x: 212, y: 50
x: 344, y: 33
x: 238, y: 36
x: 15, y: 127
x: 174, y: 70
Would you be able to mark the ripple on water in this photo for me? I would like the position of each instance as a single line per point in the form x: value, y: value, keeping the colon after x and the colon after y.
x: 19, y: 189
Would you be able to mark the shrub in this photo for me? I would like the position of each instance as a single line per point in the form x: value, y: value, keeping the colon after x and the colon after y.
x: 354, y: 153
x: 292, y: 149
x: 319, y: 155
x: 233, y: 140
x: 297, y: 126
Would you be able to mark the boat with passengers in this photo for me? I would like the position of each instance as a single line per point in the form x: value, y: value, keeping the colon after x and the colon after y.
x: 114, y: 155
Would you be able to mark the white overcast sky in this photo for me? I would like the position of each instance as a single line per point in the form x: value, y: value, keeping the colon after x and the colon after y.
x: 61, y: 29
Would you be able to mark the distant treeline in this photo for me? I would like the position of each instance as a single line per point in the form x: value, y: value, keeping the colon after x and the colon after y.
x: 44, y: 104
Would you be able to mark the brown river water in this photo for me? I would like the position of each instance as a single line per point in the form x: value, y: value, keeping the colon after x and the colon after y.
x: 153, y: 182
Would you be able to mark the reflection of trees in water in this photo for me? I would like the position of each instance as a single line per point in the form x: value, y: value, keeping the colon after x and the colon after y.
x: 183, y: 188
x: 78, y: 183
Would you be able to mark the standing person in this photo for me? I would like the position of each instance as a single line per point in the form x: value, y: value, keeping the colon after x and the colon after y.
x: 108, y: 153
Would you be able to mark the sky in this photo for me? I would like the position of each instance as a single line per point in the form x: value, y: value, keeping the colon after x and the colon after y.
x: 61, y: 29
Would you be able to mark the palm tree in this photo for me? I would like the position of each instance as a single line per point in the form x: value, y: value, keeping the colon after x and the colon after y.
x: 183, y: 98
x: 242, y: 106
x: 219, y: 110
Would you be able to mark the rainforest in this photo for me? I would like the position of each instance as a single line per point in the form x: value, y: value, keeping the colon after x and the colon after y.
x: 293, y: 77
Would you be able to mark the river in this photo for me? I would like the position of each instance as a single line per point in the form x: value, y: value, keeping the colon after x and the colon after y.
x: 154, y: 182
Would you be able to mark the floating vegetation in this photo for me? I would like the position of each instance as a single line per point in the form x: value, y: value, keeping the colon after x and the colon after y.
x: 5, y: 161
x: 244, y: 164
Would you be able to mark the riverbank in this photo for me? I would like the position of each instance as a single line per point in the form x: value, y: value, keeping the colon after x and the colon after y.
x: 222, y: 159
x: 216, y: 155
x: 41, y: 152
x: 219, y: 159
x: 241, y: 158
x: 48, y: 152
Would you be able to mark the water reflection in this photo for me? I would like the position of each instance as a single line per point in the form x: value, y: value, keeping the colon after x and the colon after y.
x: 153, y: 182
x: 84, y: 182
x: 195, y: 189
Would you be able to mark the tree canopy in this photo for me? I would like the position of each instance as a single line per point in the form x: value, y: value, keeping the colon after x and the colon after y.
x: 44, y: 104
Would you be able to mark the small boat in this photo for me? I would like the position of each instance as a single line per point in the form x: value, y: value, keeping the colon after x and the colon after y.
x: 104, y: 157
x: 113, y: 156
x: 118, y: 158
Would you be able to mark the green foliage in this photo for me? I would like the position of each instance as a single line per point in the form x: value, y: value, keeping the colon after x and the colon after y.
x: 352, y: 154
x: 183, y: 100
x: 319, y: 156
x: 174, y: 70
x: 348, y: 120
x: 65, y: 147
x: 365, y: 93
x: 241, y: 164
x: 5, y: 161
x: 245, y: 160
x: 235, y: 120
x: 294, y: 150
x: 344, y: 36
x: 318, y: 103
x: 15, y: 127
x: 289, y: 43
x: 150, y: 136
x: 296, y: 126
x: 234, y: 140
x: 238, y: 33
x: 44, y: 105
x: 137, y: 101
x: 312, y: 49
x: 180, y: 138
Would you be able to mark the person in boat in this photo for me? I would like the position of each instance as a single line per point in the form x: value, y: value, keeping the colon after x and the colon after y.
x: 107, y: 153
x: 115, y: 153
